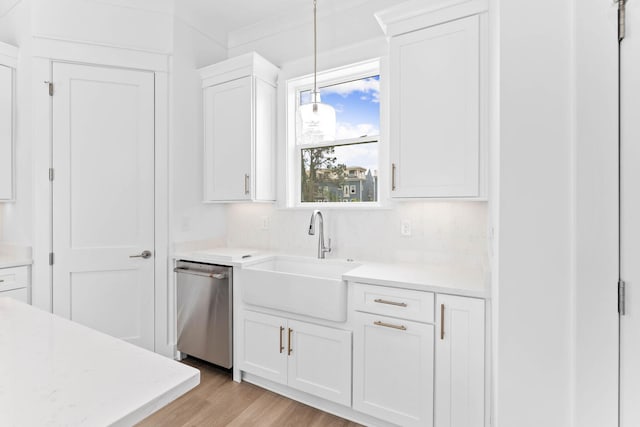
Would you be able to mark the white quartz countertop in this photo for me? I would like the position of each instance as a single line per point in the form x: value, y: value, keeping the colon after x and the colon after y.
x: 447, y: 279
x: 7, y: 261
x: 223, y: 256
x: 456, y: 280
x: 54, y: 372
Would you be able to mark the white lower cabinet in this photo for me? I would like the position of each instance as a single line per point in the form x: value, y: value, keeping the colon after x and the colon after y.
x: 459, y: 391
x: 393, y: 369
x: 310, y: 358
x: 14, y: 283
x: 263, y: 346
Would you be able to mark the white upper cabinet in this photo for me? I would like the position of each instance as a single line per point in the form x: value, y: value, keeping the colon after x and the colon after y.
x: 8, y: 62
x: 239, y: 129
x: 437, y: 104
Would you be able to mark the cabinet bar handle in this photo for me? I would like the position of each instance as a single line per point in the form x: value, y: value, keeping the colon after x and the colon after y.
x: 393, y: 176
x: 281, y: 346
x: 246, y: 183
x: 289, y: 349
x: 441, y: 321
x: 1, y: 280
x: 383, y: 301
x: 389, y: 325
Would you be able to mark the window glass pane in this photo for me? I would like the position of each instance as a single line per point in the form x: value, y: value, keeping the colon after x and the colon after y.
x: 343, y: 173
x: 357, y: 105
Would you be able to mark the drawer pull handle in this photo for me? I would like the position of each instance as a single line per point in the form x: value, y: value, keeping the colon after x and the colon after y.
x: 393, y: 177
x: 441, y: 321
x: 1, y: 280
x: 281, y: 346
x: 246, y: 183
x: 389, y: 325
x: 383, y: 301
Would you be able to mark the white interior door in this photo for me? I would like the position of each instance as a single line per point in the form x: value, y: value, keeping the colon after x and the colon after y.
x: 630, y: 218
x: 103, y: 199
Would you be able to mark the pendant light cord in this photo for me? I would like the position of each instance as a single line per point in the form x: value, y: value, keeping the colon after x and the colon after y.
x: 315, y: 47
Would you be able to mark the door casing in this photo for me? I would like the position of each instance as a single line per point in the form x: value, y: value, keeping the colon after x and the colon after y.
x: 47, y: 52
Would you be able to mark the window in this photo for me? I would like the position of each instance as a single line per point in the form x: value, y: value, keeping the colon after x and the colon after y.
x: 346, y: 169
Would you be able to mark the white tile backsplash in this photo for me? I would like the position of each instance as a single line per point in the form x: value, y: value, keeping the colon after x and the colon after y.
x: 441, y: 232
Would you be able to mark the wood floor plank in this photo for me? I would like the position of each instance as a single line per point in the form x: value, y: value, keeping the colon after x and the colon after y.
x: 218, y: 401
x: 264, y: 411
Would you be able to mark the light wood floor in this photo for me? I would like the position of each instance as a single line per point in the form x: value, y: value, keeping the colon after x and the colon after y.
x: 218, y: 401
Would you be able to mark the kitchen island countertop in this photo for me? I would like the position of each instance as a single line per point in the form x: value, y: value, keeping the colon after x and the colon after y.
x: 55, y: 372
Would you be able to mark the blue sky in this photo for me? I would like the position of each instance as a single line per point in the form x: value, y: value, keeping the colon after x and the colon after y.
x: 357, y: 105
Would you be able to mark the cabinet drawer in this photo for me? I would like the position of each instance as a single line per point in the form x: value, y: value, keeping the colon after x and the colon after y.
x: 402, y: 303
x: 14, y: 278
x: 17, y: 294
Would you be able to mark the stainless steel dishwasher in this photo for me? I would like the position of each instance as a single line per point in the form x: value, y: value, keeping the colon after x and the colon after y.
x: 204, y: 301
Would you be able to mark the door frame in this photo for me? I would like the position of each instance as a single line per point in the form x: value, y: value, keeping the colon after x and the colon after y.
x: 596, y: 253
x: 45, y: 53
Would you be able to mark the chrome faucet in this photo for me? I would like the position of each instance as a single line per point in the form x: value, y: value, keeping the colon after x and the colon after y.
x: 322, y: 249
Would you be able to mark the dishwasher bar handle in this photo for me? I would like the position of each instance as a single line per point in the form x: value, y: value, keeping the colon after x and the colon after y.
x: 219, y: 276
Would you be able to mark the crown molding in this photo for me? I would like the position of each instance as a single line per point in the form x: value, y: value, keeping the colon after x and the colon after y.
x: 414, y: 14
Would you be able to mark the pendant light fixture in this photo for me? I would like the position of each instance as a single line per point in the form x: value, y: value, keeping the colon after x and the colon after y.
x: 316, y: 121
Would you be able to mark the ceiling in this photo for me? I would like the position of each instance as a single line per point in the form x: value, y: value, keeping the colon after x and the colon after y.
x: 221, y: 17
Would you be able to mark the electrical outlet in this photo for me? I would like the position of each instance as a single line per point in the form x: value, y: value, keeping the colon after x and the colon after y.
x: 264, y: 224
x: 405, y: 228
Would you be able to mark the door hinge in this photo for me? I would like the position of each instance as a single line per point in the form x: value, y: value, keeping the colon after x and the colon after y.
x: 50, y: 85
x: 621, y: 297
x: 622, y: 19
x: 51, y: 174
x: 50, y: 258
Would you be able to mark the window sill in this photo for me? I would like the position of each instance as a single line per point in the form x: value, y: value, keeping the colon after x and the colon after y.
x: 359, y: 206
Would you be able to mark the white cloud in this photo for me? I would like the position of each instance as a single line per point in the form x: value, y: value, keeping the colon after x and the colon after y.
x: 369, y: 85
x: 349, y: 131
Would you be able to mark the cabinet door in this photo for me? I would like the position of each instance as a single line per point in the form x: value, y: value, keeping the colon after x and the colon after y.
x: 393, y: 369
x: 435, y: 107
x: 263, y: 349
x: 6, y: 133
x: 320, y: 361
x: 228, y: 137
x: 459, y: 362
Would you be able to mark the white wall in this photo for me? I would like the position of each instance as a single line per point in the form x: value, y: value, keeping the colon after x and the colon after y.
x: 191, y: 219
x: 441, y: 232
x: 535, y: 285
x: 137, y: 24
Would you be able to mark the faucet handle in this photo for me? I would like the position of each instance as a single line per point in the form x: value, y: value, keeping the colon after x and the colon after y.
x: 328, y: 247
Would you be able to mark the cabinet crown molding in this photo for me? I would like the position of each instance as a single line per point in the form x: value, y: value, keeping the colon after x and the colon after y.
x: 413, y: 15
x: 249, y: 64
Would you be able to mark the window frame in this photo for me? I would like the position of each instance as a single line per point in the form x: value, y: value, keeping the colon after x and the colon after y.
x: 296, y: 85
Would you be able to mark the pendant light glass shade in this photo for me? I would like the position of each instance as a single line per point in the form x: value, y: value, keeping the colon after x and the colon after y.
x: 315, y: 121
